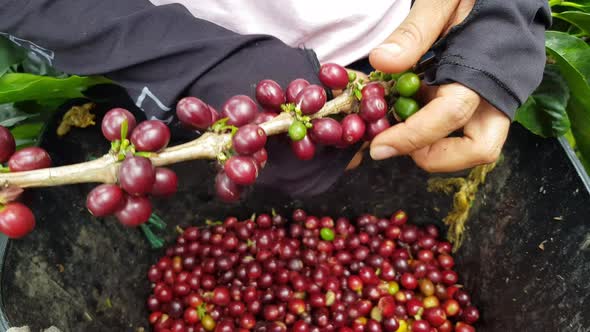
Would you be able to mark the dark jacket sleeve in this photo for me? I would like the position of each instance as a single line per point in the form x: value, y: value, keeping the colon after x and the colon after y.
x: 162, y: 53
x: 498, y: 51
x: 155, y: 52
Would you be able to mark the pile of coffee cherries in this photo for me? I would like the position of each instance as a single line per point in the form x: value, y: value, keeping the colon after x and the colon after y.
x: 137, y: 177
x: 16, y: 219
x: 309, y: 274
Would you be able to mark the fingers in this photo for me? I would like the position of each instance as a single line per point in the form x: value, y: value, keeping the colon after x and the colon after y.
x: 462, y: 11
x: 450, y: 110
x: 485, y: 135
x: 413, y: 38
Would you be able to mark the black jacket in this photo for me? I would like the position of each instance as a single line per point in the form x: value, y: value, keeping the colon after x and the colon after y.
x: 162, y: 53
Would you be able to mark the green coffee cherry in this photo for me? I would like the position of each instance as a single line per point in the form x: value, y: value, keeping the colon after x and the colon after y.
x: 405, y: 107
x: 297, y: 131
x: 407, y: 85
x: 327, y: 234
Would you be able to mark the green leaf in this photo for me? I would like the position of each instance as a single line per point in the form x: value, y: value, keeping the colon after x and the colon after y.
x: 544, y: 113
x: 9, y: 54
x: 24, y: 143
x: 580, y: 118
x: 569, y: 136
x: 21, y: 87
x: 16, y: 120
x: 156, y: 221
x: 27, y: 130
x: 358, y: 94
x: 155, y: 241
x: 584, y: 162
x: 577, y: 4
x: 28, y: 134
x: 579, y: 19
x: 573, y: 58
x: 8, y: 112
x: 14, y: 113
x: 40, y: 106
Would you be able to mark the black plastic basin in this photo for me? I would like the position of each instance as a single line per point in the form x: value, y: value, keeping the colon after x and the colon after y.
x: 535, y: 196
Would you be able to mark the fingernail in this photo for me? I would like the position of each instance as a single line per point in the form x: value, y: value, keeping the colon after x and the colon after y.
x: 383, y: 152
x: 392, y: 50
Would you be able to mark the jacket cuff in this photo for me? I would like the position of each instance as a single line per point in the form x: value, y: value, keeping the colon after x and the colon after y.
x: 498, y: 51
x: 484, y: 83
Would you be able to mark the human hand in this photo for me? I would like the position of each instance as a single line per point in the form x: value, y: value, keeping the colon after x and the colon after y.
x: 449, y: 107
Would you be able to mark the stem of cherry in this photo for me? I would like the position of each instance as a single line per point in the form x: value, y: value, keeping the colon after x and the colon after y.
x: 208, y: 146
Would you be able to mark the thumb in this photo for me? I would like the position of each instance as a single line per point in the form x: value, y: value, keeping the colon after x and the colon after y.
x: 414, y: 37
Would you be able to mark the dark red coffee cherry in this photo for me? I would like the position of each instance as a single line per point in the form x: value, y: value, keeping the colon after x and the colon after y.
x: 29, y: 159
x: 166, y: 182
x: 241, y: 169
x: 137, y: 175
x: 104, y: 200
x: 333, y: 76
x: 303, y: 149
x: 112, y: 121
x: 227, y: 190
x: 150, y: 135
x: 311, y: 99
x: 240, y: 110
x: 249, y: 139
x: 326, y: 131
x: 135, y: 211
x: 7, y: 144
x: 269, y: 94
x: 294, y: 88
x: 195, y: 113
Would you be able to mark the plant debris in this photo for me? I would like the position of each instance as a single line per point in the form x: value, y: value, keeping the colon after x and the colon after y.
x: 464, y: 190
x: 77, y: 116
x: 542, y: 245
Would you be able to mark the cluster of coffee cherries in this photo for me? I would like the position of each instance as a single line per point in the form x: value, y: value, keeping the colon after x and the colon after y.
x: 241, y: 165
x: 370, y: 120
x: 304, y: 100
x: 404, y: 91
x: 16, y: 219
x: 128, y: 200
x: 309, y: 274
